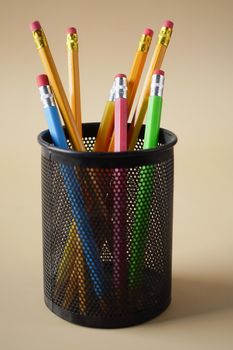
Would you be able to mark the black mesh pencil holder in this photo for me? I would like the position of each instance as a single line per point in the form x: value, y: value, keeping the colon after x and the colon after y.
x: 107, y: 231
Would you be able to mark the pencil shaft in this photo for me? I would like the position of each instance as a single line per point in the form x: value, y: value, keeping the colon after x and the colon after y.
x: 77, y: 281
x: 152, y: 122
x: 69, y: 254
x: 119, y: 231
x: 133, y: 82
x: 75, y: 196
x: 145, y: 185
x: 59, y: 92
x: 156, y: 62
x: 61, y: 98
x: 140, y: 226
x: 105, y: 129
x: 55, y: 127
x: 121, y: 125
x: 119, y: 188
x: 141, y: 108
x: 134, y: 77
x: 67, y: 260
x: 74, y: 87
x: 86, y: 234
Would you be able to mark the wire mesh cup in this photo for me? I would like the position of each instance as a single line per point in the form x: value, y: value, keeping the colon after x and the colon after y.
x: 107, y: 231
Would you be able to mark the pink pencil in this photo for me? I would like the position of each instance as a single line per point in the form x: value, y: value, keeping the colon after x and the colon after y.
x: 119, y: 188
x: 121, y: 113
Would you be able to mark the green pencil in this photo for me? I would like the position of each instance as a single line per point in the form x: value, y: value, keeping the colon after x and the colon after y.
x: 145, y: 185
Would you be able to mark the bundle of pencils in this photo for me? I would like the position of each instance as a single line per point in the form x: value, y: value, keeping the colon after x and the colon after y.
x: 112, y: 136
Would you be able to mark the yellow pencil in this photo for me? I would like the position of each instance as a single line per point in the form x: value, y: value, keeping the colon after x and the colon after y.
x: 106, y: 125
x: 136, y: 72
x: 55, y: 81
x: 156, y: 62
x: 73, y: 72
x: 76, y: 287
x: 67, y: 260
x: 77, y: 280
x: 71, y: 271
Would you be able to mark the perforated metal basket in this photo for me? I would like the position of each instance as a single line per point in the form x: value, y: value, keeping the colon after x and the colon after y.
x: 107, y: 231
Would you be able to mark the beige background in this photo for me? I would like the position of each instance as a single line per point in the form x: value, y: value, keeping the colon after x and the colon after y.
x: 197, y: 107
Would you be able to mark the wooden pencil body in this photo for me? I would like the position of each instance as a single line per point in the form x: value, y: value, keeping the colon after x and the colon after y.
x: 105, y: 129
x: 74, y: 87
x: 61, y: 98
x: 133, y: 82
x: 141, y: 109
x: 135, y: 74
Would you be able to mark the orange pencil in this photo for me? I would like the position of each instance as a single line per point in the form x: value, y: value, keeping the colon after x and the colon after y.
x: 136, y: 72
x: 105, y: 130
x: 73, y: 72
x: 55, y: 81
x: 156, y: 62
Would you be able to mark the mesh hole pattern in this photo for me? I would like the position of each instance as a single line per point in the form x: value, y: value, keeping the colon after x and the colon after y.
x: 107, y: 240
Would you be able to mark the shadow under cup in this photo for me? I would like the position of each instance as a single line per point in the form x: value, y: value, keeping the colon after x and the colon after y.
x: 107, y: 231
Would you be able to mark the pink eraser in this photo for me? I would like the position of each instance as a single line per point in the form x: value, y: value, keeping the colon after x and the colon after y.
x: 120, y: 76
x: 148, y: 31
x: 35, y: 26
x: 168, y: 24
x: 42, y: 80
x: 71, y: 30
x: 158, y: 71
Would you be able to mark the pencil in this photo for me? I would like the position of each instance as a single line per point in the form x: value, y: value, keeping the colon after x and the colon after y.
x: 73, y: 191
x: 73, y: 73
x: 136, y: 72
x: 55, y: 81
x: 73, y: 244
x: 156, y: 62
x: 145, y: 183
x: 71, y: 272
x: 121, y: 113
x: 77, y: 281
x: 153, y: 116
x: 119, y: 188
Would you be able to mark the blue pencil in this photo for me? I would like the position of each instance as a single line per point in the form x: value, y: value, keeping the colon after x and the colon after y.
x: 73, y: 189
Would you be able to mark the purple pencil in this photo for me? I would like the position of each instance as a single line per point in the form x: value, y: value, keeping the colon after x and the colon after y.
x: 119, y: 187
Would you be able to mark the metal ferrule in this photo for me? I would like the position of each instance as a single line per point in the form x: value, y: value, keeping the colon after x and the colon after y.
x: 39, y: 38
x: 72, y: 41
x: 144, y: 43
x: 165, y: 36
x: 46, y: 96
x: 120, y: 87
x: 157, y: 84
x: 112, y: 93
